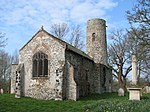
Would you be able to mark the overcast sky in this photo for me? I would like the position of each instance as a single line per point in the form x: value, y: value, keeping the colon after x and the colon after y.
x: 21, y: 19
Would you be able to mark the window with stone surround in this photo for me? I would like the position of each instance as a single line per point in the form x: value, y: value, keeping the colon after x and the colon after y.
x: 93, y: 37
x: 40, y: 65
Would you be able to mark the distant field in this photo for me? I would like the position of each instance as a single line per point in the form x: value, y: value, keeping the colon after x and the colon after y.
x: 107, y: 102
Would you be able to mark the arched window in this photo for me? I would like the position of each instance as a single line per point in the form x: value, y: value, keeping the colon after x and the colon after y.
x: 93, y: 37
x: 40, y: 65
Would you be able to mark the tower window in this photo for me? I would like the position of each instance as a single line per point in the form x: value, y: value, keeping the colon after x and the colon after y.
x: 93, y: 37
x: 40, y: 65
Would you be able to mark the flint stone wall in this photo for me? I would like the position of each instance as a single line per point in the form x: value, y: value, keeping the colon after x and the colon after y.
x: 85, y: 77
x: 43, y: 87
x: 80, y: 76
x: 96, y: 40
x: 102, y: 78
x: 13, y: 77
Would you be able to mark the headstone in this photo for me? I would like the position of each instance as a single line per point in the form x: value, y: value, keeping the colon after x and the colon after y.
x: 120, y: 92
x: 110, y: 88
x: 2, y: 91
x: 147, y: 89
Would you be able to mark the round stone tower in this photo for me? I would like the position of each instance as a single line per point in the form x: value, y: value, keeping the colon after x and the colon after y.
x: 96, y: 40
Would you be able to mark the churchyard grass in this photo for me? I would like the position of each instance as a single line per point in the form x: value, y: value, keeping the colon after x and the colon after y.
x: 107, y: 102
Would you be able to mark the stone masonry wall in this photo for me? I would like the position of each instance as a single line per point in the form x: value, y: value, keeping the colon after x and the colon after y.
x: 106, y: 78
x: 97, y: 49
x: 103, y: 78
x: 86, y: 77
x: 19, y: 81
x: 108, y: 83
x: 43, y: 87
x: 81, y: 75
x: 70, y: 85
x: 13, y: 77
x: 96, y: 40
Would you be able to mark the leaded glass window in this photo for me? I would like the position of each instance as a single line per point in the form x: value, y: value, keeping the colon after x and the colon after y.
x: 40, y: 65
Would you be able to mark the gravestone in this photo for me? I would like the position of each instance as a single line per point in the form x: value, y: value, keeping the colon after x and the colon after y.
x: 147, y: 89
x: 109, y: 88
x: 2, y: 91
x: 134, y: 91
x: 120, y: 92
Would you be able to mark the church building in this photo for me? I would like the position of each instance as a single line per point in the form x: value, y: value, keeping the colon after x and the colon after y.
x: 50, y: 68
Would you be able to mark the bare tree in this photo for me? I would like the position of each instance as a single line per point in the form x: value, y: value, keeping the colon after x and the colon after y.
x: 2, y: 40
x: 120, y: 52
x: 119, y: 55
x: 72, y: 35
x: 139, y: 18
x: 5, y: 68
x: 142, y: 50
x: 76, y: 36
x: 59, y: 30
x: 15, y: 57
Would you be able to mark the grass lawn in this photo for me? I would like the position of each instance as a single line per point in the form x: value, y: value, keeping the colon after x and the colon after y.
x: 107, y: 102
